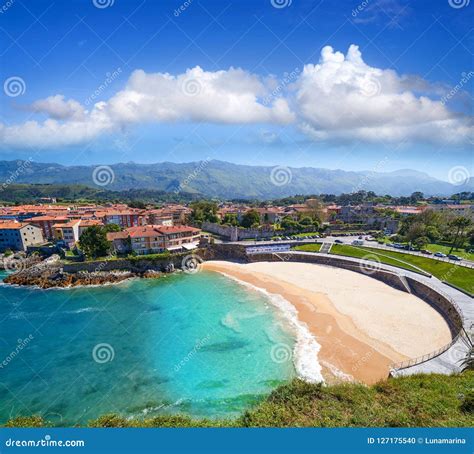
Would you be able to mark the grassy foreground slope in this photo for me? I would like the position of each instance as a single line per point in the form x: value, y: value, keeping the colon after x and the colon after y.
x: 416, y: 401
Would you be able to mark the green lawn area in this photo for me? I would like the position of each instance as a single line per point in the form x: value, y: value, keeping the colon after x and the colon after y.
x: 445, y: 250
x: 359, y: 252
x: 454, y: 274
x: 301, y: 235
x: 308, y: 247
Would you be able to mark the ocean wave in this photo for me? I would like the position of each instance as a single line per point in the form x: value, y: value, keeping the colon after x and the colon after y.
x: 338, y: 373
x: 306, y: 349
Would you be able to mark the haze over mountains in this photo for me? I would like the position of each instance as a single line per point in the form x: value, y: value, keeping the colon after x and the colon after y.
x: 226, y: 180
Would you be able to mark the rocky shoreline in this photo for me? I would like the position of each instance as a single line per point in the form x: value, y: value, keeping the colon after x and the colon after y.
x: 52, y: 276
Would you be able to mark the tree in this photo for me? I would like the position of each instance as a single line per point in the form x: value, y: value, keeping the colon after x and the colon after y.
x: 421, y: 242
x: 250, y: 218
x: 204, y: 211
x: 288, y: 224
x: 112, y: 228
x: 306, y: 221
x: 433, y: 233
x: 460, y: 224
x: 137, y: 204
x: 230, y: 219
x: 93, y: 242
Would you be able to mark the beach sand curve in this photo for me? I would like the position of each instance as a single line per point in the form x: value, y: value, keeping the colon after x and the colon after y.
x: 361, y: 324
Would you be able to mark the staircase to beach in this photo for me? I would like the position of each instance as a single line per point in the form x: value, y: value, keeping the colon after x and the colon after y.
x: 325, y: 248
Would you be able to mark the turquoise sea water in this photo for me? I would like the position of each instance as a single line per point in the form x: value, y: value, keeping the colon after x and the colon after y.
x: 196, y: 344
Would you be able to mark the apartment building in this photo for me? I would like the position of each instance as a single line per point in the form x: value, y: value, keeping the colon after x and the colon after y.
x: 46, y: 224
x: 18, y: 235
x: 151, y: 239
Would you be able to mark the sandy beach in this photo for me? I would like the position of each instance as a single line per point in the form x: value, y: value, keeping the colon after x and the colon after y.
x: 361, y: 324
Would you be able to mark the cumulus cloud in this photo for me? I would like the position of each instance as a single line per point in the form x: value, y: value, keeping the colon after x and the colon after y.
x: 230, y: 96
x: 340, y: 98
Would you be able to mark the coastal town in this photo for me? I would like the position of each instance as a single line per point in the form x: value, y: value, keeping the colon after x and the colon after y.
x: 50, y: 227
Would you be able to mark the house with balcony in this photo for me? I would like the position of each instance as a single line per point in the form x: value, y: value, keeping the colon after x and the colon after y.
x: 152, y: 239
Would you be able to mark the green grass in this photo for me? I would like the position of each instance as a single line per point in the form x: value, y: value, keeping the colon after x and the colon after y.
x: 415, y: 401
x: 445, y: 250
x: 368, y: 254
x: 459, y: 276
x: 301, y: 235
x: 315, y: 247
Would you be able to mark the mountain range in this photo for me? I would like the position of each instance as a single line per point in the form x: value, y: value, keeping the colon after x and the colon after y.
x: 230, y: 181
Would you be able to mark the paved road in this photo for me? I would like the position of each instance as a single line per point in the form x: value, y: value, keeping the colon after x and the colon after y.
x: 349, y: 239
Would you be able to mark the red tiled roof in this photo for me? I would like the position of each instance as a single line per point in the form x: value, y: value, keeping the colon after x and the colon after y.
x: 12, y: 225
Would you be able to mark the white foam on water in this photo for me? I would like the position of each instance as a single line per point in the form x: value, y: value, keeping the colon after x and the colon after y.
x: 305, y: 353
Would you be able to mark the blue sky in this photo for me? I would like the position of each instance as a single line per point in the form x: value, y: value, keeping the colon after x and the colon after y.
x: 88, y: 52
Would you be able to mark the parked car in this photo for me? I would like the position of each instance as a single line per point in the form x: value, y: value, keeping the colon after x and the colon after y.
x: 454, y: 257
x: 360, y: 237
x: 338, y: 241
x: 439, y: 254
x: 426, y: 252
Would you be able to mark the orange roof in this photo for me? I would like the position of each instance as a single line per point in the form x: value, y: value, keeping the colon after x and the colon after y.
x: 90, y: 222
x: 67, y: 224
x: 12, y: 225
x: 150, y: 231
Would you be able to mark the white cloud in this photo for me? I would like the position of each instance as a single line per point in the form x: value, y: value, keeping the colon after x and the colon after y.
x: 341, y: 98
x: 58, y: 108
x: 230, y: 96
